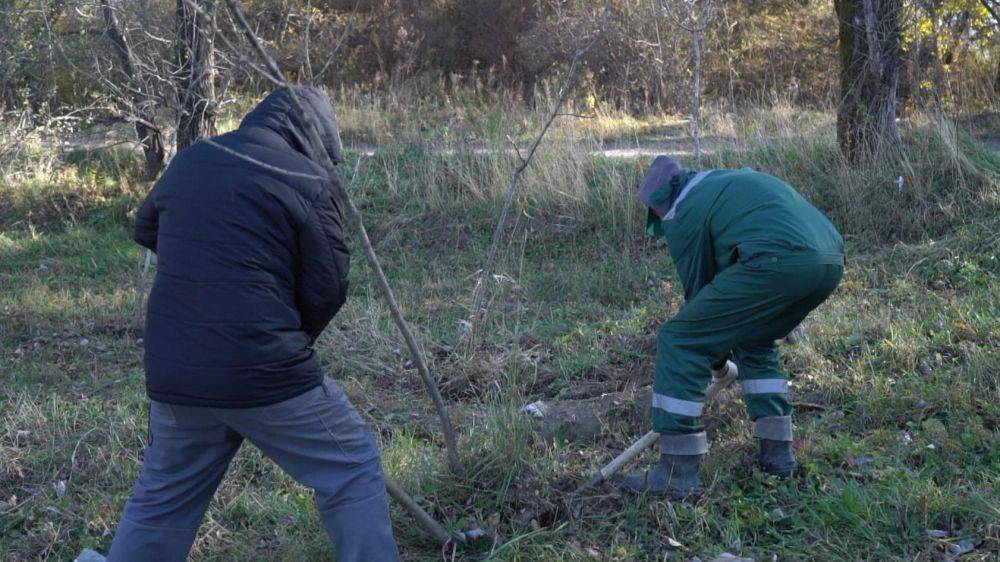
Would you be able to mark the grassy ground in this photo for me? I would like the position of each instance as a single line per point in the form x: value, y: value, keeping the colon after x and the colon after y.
x: 897, y: 384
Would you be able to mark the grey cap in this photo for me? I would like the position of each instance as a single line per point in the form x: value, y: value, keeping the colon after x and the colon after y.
x: 659, y: 175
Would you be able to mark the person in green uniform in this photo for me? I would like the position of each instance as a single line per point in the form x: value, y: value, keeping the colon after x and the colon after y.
x: 755, y: 258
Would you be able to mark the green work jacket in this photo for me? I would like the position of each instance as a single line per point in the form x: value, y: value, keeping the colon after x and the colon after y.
x: 721, y: 217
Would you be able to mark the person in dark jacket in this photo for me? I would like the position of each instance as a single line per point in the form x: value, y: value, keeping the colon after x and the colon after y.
x: 754, y: 258
x: 252, y: 266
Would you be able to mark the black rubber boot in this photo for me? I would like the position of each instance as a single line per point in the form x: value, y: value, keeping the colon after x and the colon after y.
x: 776, y: 458
x: 675, y: 477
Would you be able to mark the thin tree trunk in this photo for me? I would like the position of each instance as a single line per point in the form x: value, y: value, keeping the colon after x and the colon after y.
x: 196, y: 76
x: 695, y: 22
x: 148, y: 135
x: 696, y: 110
x: 660, y: 90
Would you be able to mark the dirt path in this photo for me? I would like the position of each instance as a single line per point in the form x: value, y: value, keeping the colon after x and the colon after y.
x: 608, y: 148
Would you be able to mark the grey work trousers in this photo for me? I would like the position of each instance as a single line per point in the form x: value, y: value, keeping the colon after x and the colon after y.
x: 317, y: 437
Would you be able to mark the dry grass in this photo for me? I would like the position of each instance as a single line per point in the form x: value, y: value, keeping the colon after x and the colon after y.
x: 899, y: 374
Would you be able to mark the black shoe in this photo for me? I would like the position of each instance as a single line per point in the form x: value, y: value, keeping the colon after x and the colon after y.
x: 675, y: 477
x: 776, y: 458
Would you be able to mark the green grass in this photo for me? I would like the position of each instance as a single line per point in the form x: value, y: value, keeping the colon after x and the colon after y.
x: 897, y: 380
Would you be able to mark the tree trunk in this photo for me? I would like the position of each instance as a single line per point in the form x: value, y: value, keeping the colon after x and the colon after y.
x: 149, y: 136
x: 196, y: 73
x: 869, y: 75
x: 696, y: 103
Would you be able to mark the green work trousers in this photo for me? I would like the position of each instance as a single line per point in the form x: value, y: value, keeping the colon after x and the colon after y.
x: 743, y: 310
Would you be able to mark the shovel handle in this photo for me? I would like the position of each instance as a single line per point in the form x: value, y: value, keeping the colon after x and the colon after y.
x: 615, y: 465
x: 722, y: 379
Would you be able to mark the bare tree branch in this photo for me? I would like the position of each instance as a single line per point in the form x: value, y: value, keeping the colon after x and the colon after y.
x: 305, y: 41
x: 569, y: 84
x: 336, y: 48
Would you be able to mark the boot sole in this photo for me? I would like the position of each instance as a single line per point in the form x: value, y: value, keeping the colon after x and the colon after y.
x: 795, y: 471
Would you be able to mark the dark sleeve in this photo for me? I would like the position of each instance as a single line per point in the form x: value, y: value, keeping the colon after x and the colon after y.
x: 323, y: 262
x: 147, y: 222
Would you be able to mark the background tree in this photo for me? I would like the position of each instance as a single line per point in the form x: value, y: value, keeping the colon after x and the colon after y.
x: 869, y: 36
x: 135, y: 95
x: 195, y: 45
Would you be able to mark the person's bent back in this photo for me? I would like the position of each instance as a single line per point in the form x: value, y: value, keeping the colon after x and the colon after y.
x: 252, y: 266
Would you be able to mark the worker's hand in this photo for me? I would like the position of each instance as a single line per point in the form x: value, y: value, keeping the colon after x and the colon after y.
x: 727, y: 369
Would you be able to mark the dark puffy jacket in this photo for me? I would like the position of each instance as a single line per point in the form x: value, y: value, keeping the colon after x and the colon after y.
x: 252, y: 263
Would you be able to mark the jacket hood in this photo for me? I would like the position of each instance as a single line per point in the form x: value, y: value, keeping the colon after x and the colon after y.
x: 278, y: 114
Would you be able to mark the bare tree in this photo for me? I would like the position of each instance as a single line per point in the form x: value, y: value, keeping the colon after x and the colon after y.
x: 869, y: 75
x: 569, y: 85
x: 195, y: 46
x: 135, y: 94
x: 694, y: 16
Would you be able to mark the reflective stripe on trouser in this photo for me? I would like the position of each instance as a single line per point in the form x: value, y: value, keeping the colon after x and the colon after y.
x: 764, y: 384
x: 744, y: 309
x: 775, y: 428
x: 684, y: 443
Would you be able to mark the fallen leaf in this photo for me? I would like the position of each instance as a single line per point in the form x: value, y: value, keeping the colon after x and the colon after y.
x: 937, y: 533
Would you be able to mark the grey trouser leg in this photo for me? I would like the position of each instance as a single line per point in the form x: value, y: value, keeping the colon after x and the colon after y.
x: 186, y: 457
x: 322, y: 442
x: 317, y: 437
